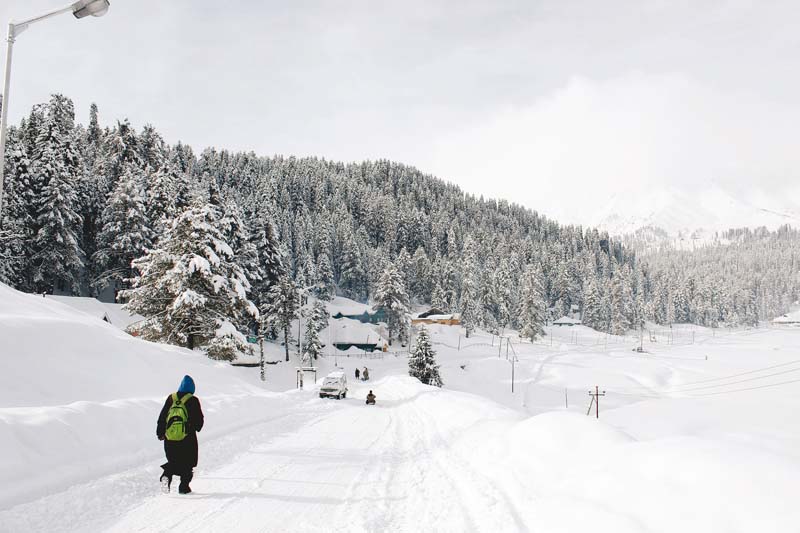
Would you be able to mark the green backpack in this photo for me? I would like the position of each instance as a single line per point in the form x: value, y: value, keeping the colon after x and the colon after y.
x: 178, y: 418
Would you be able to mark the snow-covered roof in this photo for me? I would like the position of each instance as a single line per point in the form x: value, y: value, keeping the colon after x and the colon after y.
x: 789, y: 318
x: 335, y: 375
x: 567, y: 320
x: 113, y: 313
x: 349, y: 331
x: 450, y: 316
x: 347, y: 306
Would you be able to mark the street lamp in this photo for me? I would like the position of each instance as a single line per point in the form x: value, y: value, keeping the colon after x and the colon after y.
x: 80, y: 9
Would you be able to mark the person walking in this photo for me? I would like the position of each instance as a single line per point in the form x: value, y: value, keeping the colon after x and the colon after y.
x: 178, y: 423
x: 357, y: 374
x: 365, y: 373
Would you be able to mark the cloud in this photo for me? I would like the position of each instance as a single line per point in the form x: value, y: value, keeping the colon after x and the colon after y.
x: 568, y: 152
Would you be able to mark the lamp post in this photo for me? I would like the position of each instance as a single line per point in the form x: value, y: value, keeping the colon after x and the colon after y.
x: 80, y: 9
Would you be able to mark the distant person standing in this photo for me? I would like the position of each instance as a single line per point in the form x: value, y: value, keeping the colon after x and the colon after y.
x: 180, y: 420
x: 365, y: 373
x: 358, y: 374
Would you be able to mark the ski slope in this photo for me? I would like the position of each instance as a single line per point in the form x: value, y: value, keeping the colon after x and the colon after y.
x: 689, y: 437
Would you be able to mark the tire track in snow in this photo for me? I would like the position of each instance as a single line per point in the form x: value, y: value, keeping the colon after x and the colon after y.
x: 476, y: 482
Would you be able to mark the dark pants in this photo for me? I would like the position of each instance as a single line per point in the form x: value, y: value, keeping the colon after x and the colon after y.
x: 181, y: 459
x: 184, y: 472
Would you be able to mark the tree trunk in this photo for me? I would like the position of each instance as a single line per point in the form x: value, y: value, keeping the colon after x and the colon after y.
x: 286, y: 341
x: 261, y: 346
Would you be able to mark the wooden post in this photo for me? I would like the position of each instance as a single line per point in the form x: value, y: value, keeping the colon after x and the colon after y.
x: 596, y: 401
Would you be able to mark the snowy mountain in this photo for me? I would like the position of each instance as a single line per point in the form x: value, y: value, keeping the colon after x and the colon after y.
x: 685, y: 214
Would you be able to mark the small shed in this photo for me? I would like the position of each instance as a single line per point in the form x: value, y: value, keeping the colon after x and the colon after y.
x: 362, y: 346
x: 429, y: 317
x: 365, y: 318
x: 566, y: 321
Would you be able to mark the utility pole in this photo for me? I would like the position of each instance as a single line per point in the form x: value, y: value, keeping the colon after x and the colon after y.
x: 596, y: 401
x: 566, y: 399
x: 641, y: 337
x: 513, y: 360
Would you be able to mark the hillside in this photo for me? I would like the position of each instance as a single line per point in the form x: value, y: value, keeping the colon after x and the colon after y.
x: 333, y: 229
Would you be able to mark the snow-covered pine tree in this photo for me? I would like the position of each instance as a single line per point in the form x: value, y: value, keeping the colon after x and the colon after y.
x: 422, y: 361
x: 403, y: 265
x: 270, y: 257
x: 161, y: 199
x: 92, y: 190
x: 121, y: 151
x: 312, y: 347
x: 317, y: 320
x: 533, y: 315
x: 15, y: 222
x: 619, y: 321
x: 352, y: 277
x: 491, y: 311
x: 325, y: 287
x: 319, y: 311
x: 421, y: 276
x: 281, y: 307
x: 190, y: 289
x: 151, y: 148
x: 593, y: 314
x: 57, y: 254
x: 125, y: 233
x: 237, y: 235
x: 391, y: 298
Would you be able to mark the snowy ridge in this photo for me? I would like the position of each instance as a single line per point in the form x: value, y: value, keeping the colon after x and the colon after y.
x: 696, y: 213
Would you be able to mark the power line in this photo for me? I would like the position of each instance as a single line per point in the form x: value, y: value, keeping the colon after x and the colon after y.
x: 741, y: 380
x: 749, y: 388
x: 678, y: 388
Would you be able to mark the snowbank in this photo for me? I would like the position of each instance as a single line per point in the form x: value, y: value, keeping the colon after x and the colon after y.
x: 585, y: 473
x: 79, y: 398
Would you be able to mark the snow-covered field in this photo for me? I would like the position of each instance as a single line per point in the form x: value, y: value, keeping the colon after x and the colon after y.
x: 695, y: 435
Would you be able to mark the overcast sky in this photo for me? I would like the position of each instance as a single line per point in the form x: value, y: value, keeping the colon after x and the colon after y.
x: 552, y: 104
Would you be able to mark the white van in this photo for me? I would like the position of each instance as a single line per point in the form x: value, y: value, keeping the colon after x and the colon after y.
x: 334, y: 386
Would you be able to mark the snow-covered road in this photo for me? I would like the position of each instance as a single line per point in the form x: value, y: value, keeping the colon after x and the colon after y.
x: 349, y: 467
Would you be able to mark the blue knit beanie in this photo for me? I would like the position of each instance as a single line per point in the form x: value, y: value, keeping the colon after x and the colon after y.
x: 187, y: 385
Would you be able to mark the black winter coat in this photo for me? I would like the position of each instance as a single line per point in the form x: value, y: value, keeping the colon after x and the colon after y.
x: 182, y: 455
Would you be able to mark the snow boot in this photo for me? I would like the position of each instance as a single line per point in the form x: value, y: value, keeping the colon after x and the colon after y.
x: 186, y: 478
x: 166, y: 481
